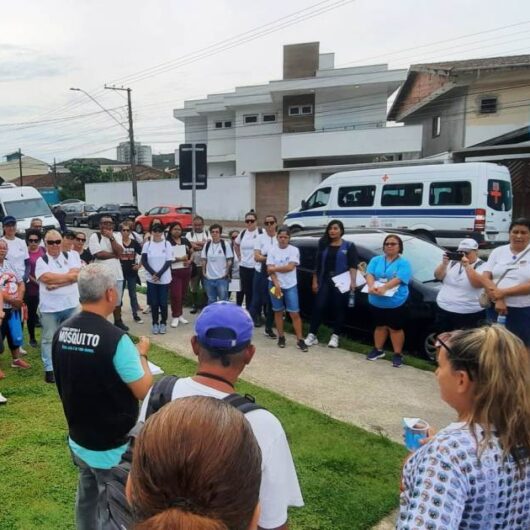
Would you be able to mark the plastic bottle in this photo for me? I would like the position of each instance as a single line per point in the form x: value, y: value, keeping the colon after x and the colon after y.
x: 501, y: 320
x: 351, y: 299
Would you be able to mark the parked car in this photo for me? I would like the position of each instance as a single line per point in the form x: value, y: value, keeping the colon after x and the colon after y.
x: 167, y: 214
x: 77, y: 213
x: 423, y: 255
x: 118, y: 212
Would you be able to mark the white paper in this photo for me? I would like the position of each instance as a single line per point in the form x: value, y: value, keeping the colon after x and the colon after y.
x: 179, y: 251
x: 343, y: 281
x: 390, y: 292
x: 155, y: 370
x: 234, y: 286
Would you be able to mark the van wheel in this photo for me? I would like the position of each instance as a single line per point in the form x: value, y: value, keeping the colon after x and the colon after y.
x: 427, y: 236
x: 295, y: 228
x: 138, y: 228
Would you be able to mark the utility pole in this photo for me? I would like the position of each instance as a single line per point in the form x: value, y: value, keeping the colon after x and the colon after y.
x: 54, y: 173
x: 20, y: 164
x: 132, y: 150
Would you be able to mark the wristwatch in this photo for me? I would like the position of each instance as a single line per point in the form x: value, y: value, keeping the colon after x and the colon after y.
x: 111, y: 239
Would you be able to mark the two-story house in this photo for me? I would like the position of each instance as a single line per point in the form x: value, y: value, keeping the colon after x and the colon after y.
x: 476, y: 109
x: 289, y: 134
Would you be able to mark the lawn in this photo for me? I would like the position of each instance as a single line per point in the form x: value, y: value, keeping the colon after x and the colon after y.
x: 349, y: 477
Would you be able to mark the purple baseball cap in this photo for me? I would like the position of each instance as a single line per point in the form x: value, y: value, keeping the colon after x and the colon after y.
x: 224, y: 327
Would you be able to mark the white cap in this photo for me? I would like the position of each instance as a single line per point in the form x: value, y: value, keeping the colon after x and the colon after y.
x: 468, y: 244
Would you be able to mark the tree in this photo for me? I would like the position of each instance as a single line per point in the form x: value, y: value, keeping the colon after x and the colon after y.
x: 73, y: 184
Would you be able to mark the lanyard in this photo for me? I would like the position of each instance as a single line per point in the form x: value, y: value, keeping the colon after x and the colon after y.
x: 389, y: 263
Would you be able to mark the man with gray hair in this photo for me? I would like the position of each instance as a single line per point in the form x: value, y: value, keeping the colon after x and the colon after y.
x: 100, y: 376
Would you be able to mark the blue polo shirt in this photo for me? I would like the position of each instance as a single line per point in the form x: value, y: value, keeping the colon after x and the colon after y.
x: 382, y: 269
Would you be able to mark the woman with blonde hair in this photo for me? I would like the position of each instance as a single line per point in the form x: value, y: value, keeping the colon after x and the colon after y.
x: 196, y: 466
x: 475, y: 473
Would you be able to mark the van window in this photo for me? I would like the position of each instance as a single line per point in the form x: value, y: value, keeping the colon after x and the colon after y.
x: 402, y: 195
x: 450, y: 193
x: 499, y: 195
x: 356, y: 196
x: 319, y: 199
x: 27, y: 208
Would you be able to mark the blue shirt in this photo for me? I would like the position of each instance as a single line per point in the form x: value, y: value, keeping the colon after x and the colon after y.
x: 383, y: 270
x: 127, y: 363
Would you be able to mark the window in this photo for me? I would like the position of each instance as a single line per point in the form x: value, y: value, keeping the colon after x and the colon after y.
x: 488, y: 105
x: 450, y: 193
x: 218, y: 124
x: 269, y: 117
x: 22, y: 208
x: 307, y: 109
x: 294, y: 111
x: 436, y: 126
x: 183, y: 210
x: 221, y: 124
x: 402, y: 195
x: 319, y: 199
x: 250, y: 118
x: 163, y: 210
x: 300, y: 110
x: 499, y: 195
x: 356, y: 196
x: 153, y: 211
x: 228, y: 124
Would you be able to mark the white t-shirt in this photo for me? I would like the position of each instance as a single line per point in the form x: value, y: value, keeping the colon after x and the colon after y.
x: 283, y: 256
x: 216, y: 259
x: 17, y: 254
x: 61, y: 298
x: 197, y: 237
x: 158, y: 253
x: 264, y: 243
x: 502, y: 259
x: 246, y: 246
x: 95, y: 246
x: 279, y: 483
x: 457, y: 295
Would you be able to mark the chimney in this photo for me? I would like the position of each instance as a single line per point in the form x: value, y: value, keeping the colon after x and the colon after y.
x: 300, y: 60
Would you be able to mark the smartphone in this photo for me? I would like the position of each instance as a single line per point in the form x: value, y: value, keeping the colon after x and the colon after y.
x: 454, y: 256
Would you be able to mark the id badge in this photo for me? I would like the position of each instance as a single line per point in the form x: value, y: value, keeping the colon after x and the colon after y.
x: 383, y: 280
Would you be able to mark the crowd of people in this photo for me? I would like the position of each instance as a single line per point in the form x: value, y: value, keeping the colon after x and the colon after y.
x: 198, y: 462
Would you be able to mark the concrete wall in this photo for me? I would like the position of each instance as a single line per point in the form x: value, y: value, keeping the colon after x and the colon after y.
x: 301, y: 184
x: 227, y: 198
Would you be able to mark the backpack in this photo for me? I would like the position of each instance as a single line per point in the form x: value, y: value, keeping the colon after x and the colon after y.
x: 118, y: 509
x: 208, y: 243
x: 242, y: 234
x: 47, y: 260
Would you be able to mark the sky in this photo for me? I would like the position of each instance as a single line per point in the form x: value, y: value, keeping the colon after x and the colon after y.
x: 168, y: 51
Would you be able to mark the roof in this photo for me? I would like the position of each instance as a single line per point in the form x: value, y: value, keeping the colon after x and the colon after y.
x: 95, y: 161
x: 145, y: 173
x: 448, y: 70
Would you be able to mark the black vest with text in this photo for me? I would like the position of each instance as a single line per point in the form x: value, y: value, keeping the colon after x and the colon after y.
x: 99, y: 407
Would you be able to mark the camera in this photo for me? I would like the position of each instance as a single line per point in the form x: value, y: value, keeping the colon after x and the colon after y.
x: 454, y: 256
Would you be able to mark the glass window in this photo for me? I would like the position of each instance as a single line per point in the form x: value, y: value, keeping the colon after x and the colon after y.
x: 319, y: 199
x: 269, y: 117
x: 402, y: 195
x: 218, y: 124
x: 228, y: 124
x: 294, y: 110
x: 164, y: 210
x: 356, y: 196
x: 153, y: 211
x: 184, y: 210
x: 450, y: 193
x: 499, y: 195
x: 436, y: 126
x: 250, y: 118
x: 27, y: 208
x: 424, y: 257
x: 307, y: 109
x: 488, y: 105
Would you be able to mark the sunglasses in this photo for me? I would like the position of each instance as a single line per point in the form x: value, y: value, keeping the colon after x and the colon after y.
x: 32, y: 240
x: 53, y: 241
x: 458, y: 362
x: 80, y: 239
x: 250, y: 221
x: 391, y: 244
x: 269, y: 223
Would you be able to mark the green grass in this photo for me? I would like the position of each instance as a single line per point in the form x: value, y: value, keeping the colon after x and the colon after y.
x: 349, y: 477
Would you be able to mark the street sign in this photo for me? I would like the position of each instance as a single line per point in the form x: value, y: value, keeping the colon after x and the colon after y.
x: 186, y: 166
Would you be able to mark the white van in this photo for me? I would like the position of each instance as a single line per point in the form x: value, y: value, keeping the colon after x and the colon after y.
x: 443, y: 203
x: 24, y: 203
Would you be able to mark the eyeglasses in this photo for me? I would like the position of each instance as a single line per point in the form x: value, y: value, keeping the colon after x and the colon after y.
x: 391, y: 244
x: 80, y: 239
x: 250, y: 221
x: 53, y: 241
x: 269, y: 223
x: 32, y: 240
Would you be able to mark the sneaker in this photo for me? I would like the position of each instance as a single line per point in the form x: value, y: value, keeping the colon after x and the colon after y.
x: 155, y: 329
x: 193, y: 310
x: 281, y: 342
x: 163, y: 329
x: 397, y: 360
x: 49, y: 377
x: 301, y: 345
x: 258, y: 322
x: 138, y: 319
x: 20, y: 363
x: 121, y: 325
x: 22, y: 351
x: 147, y: 310
x: 33, y: 343
x: 182, y: 320
x: 3, y: 400
x: 311, y: 340
x: 375, y: 354
x: 333, y: 341
x: 269, y: 333
x: 175, y: 322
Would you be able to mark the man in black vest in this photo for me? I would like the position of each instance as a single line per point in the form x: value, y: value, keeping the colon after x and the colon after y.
x: 100, y: 375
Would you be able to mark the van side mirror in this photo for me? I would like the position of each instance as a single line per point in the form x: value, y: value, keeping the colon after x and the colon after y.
x: 303, y: 205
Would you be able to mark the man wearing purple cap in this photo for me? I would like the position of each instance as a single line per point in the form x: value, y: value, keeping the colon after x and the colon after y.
x: 223, y: 345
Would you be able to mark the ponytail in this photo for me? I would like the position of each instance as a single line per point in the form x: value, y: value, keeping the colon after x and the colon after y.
x: 175, y: 518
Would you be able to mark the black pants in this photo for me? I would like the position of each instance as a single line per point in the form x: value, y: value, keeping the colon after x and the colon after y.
x: 449, y: 321
x: 246, y: 277
x: 331, y: 300
x: 32, y: 301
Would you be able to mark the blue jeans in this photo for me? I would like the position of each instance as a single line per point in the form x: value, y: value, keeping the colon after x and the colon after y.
x: 216, y: 289
x: 130, y: 282
x: 288, y: 301
x: 157, y: 298
x: 50, y: 323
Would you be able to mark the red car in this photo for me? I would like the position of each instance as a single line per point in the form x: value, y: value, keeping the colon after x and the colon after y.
x: 166, y: 214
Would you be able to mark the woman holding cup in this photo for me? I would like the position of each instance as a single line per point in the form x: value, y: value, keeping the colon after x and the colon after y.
x: 478, y: 468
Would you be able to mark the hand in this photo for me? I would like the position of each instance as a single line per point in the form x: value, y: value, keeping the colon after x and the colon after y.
x: 464, y: 261
x: 155, y: 278
x: 501, y: 307
x: 314, y: 287
x: 445, y: 260
x: 187, y: 262
x: 495, y: 293
x: 143, y: 345
x: 107, y: 232
x: 277, y: 291
x: 135, y: 267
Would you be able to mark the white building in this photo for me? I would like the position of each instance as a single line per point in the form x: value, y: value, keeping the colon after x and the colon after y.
x: 289, y: 134
x: 143, y: 155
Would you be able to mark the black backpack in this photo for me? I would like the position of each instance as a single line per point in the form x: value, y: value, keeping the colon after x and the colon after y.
x: 118, y: 509
x: 46, y: 259
x: 209, y: 242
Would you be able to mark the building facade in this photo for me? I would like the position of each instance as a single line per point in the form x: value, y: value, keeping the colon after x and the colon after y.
x: 289, y: 134
x: 143, y: 154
